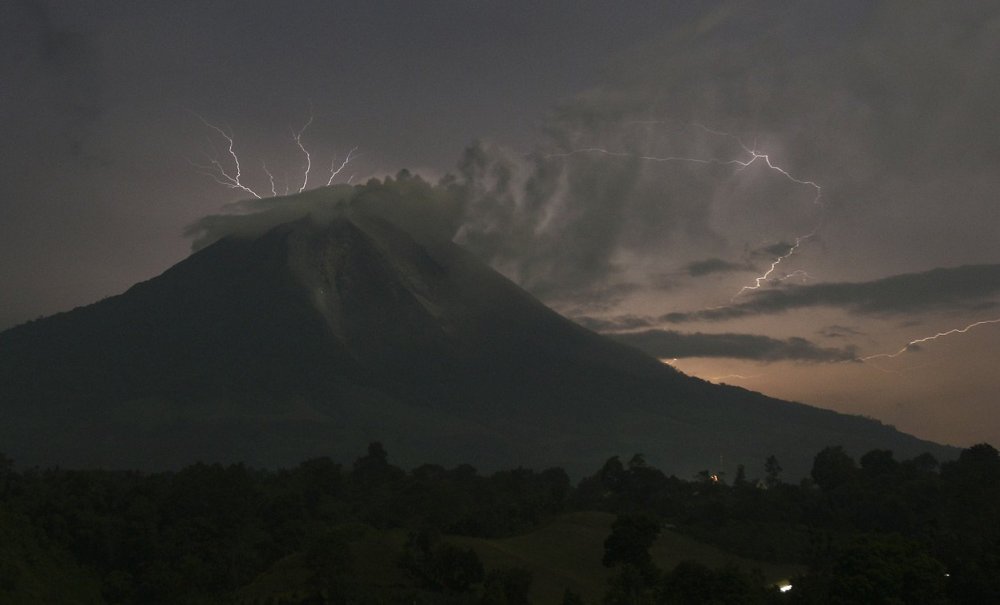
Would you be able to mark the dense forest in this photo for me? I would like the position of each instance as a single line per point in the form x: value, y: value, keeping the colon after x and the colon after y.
x: 875, y: 530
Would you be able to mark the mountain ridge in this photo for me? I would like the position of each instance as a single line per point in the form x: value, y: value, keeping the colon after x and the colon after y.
x: 319, y: 335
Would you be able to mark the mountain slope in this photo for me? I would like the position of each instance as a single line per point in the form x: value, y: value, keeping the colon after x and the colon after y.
x: 319, y: 336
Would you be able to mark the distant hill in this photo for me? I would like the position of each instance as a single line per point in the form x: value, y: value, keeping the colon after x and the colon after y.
x: 319, y: 335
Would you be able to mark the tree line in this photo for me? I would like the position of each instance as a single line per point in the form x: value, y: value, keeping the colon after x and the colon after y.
x: 875, y: 530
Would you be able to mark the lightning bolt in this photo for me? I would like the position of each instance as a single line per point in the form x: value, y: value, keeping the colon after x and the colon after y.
x: 737, y: 376
x: 230, y: 174
x: 918, y: 341
x: 297, y: 136
x: 333, y: 162
x: 217, y: 171
x: 740, y: 164
x: 274, y: 192
x: 763, y: 277
x: 754, y: 156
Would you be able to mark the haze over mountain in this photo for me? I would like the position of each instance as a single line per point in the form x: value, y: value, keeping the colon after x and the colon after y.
x: 335, y: 318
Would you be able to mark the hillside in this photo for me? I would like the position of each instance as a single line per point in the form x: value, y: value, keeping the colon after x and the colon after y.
x: 317, y: 336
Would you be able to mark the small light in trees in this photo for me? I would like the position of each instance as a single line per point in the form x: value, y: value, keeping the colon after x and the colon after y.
x: 785, y: 587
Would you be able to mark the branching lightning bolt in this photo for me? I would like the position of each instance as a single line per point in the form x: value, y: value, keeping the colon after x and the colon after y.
x: 232, y: 177
x: 297, y: 136
x: 760, y: 279
x: 740, y: 164
x: 909, y: 346
x: 333, y: 162
x: 754, y: 156
x: 217, y: 171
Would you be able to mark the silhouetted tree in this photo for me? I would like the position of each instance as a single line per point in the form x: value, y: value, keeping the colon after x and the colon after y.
x: 887, y: 570
x: 879, y: 464
x: 741, y: 476
x: 773, y: 471
x: 440, y: 566
x: 832, y: 468
x: 631, y: 537
x: 692, y: 583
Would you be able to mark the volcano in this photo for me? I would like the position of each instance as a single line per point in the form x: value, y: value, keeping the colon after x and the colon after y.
x: 316, y: 337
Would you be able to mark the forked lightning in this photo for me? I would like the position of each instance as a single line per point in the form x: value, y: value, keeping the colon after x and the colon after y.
x: 741, y: 164
x: 232, y: 177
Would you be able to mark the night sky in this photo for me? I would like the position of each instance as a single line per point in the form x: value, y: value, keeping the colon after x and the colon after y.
x: 779, y: 196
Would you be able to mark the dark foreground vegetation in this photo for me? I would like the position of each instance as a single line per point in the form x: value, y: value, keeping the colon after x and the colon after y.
x: 873, y: 531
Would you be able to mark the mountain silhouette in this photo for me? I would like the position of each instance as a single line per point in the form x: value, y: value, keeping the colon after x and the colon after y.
x: 316, y: 337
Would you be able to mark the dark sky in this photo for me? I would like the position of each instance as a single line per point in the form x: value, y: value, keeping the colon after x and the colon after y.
x: 657, y: 158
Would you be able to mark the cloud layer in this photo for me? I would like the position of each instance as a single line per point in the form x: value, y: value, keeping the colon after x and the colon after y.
x: 943, y: 288
x: 668, y: 344
x: 969, y: 287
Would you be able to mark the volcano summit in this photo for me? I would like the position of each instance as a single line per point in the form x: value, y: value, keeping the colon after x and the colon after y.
x: 318, y: 334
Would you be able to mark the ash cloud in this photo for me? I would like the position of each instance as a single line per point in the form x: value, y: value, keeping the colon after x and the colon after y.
x: 844, y: 94
x: 429, y: 213
x: 671, y: 344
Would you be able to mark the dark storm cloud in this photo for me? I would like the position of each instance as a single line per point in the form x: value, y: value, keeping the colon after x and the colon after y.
x: 774, y: 250
x: 882, y: 103
x: 943, y: 288
x: 614, y: 324
x: 671, y: 344
x: 838, y: 331
x: 714, y: 265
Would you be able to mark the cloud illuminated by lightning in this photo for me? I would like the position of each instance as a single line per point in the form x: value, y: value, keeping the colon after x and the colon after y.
x: 913, y: 343
x: 232, y: 176
x: 760, y: 279
x: 740, y: 164
x: 754, y: 156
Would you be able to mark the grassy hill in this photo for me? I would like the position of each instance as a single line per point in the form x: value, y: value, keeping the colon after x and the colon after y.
x: 562, y: 554
x: 566, y: 553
